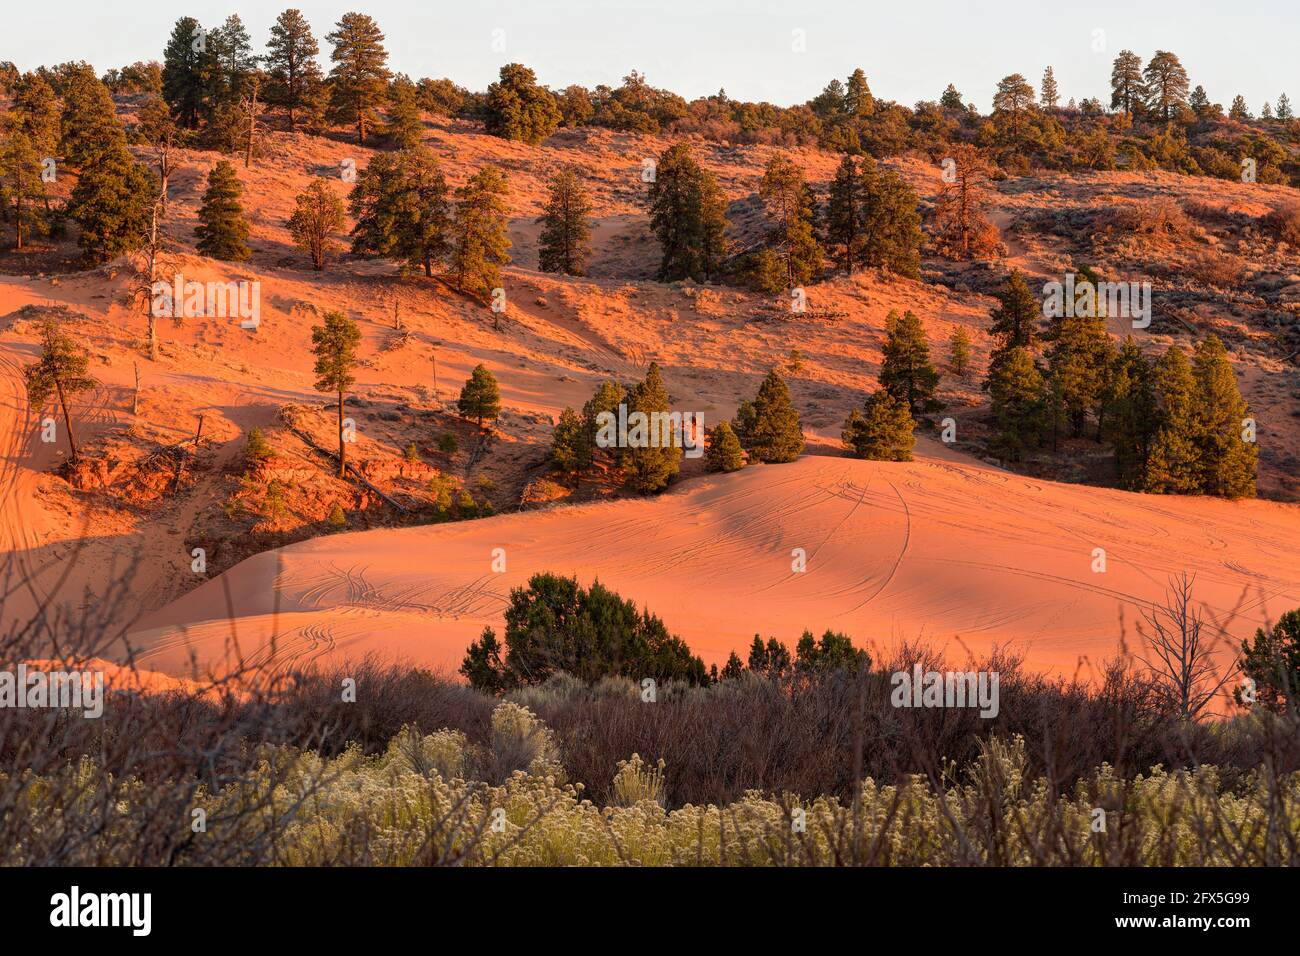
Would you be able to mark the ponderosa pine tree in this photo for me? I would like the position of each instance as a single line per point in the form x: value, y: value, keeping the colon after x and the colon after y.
x: 480, y: 397
x: 112, y: 202
x: 652, y: 463
x: 1015, y: 321
x: 1172, y: 466
x: 1166, y: 84
x: 1019, y: 399
x: 1284, y: 111
x: 1012, y: 101
x: 228, y: 70
x: 1049, y: 96
x: 89, y: 121
x: 222, y: 228
x: 607, y: 397
x: 295, y: 76
x: 400, y: 204
x: 61, y: 372
x: 1127, y: 88
x: 724, y: 452
x: 1130, y: 413
x: 892, y: 235
x: 906, y: 371
x: 1225, y: 457
x: 335, y: 344
x: 951, y: 99
x: 959, y: 352
x: 872, y: 218
x: 318, y: 214
x: 882, y: 431
x: 828, y: 105
x: 788, y: 203
x: 570, y: 451
x: 1079, y: 358
x: 233, y: 50
x: 1199, y: 101
x: 21, y: 187
x: 566, y: 233
x: 688, y: 215
x: 858, y: 101
x: 359, y: 78
x: 768, y: 427
x: 1239, y: 110
x: 404, y: 128
x: 518, y: 108
x: 481, y: 242
x: 186, y: 73
x: 35, y: 114
x: 846, y: 210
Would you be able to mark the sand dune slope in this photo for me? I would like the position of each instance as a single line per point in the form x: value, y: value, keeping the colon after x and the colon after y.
x: 949, y: 552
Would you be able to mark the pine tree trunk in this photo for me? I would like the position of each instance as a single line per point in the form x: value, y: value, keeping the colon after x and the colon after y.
x: 343, y: 461
x: 252, y: 124
x: 67, y: 420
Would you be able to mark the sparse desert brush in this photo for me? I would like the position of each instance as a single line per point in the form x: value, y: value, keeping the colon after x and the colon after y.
x: 1207, y: 212
x: 1151, y: 217
x: 1222, y: 270
x: 1283, y: 223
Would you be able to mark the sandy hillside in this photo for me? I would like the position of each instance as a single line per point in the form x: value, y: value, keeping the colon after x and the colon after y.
x: 949, y: 552
x: 948, y: 547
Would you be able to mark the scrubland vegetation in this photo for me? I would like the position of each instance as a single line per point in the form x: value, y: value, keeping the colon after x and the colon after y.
x: 752, y: 771
x: 799, y: 758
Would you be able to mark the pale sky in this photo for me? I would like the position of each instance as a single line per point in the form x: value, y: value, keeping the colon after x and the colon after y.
x: 910, y: 49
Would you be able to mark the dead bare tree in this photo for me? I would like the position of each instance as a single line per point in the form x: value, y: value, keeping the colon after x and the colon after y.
x: 252, y: 110
x: 1179, y: 650
x: 153, y: 255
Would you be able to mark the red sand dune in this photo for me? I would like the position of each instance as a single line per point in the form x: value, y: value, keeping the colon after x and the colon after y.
x: 962, y: 555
